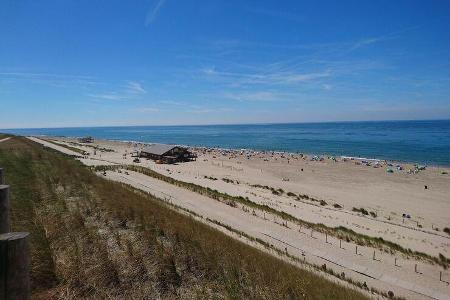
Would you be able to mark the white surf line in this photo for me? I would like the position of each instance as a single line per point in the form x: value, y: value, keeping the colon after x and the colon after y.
x: 5, y: 139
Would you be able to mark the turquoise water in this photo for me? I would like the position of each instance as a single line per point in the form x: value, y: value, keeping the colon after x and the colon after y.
x: 426, y: 142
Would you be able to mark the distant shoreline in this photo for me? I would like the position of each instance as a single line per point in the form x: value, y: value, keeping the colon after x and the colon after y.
x: 325, y: 155
x: 422, y: 142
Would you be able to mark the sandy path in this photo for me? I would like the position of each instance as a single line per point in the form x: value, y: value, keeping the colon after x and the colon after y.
x: 5, y: 139
x: 56, y: 147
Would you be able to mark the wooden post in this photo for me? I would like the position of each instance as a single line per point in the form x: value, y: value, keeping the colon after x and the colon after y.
x: 2, y: 176
x: 326, y: 238
x: 340, y: 243
x: 312, y: 232
x: 440, y: 275
x: 14, y: 266
x: 395, y: 262
x: 373, y: 255
x: 415, y: 268
x: 356, y: 249
x: 5, y: 224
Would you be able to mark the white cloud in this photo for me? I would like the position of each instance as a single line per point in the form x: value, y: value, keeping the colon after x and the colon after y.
x: 147, y: 109
x: 255, y: 96
x: 131, y: 90
x: 153, y: 13
x: 53, y: 80
x: 135, y: 88
x: 108, y: 96
x: 265, y: 78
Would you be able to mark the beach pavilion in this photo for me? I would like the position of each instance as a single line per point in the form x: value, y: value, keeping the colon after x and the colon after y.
x: 168, y: 154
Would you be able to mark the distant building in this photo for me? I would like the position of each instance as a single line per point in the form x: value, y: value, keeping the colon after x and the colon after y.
x: 168, y: 154
x: 87, y: 139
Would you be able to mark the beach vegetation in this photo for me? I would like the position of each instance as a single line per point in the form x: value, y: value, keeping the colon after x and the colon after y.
x: 339, y: 232
x: 228, y: 180
x: 94, y: 238
x: 360, y: 210
x: 74, y: 149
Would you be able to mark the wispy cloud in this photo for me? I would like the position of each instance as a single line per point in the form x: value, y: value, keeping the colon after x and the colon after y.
x: 198, y: 109
x: 171, y: 102
x: 264, y: 78
x: 109, y: 96
x: 50, y: 79
x: 128, y: 90
x: 147, y: 109
x: 327, y: 87
x: 153, y: 13
x: 43, y: 75
x: 135, y: 87
x: 263, y: 96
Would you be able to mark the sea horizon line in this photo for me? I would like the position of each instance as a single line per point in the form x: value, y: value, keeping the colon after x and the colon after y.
x: 235, y: 124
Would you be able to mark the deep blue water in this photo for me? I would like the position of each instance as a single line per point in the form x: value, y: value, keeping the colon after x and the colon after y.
x: 426, y: 142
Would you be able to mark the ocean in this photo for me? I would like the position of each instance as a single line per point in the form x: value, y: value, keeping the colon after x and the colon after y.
x: 424, y: 142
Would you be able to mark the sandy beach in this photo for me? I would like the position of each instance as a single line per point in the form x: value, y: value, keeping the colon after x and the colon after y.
x: 400, y: 203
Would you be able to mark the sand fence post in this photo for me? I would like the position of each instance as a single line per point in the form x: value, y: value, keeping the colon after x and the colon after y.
x: 5, y: 223
x: 416, y: 269
x: 2, y: 176
x: 14, y: 266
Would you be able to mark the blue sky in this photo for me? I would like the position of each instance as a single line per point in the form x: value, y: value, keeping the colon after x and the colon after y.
x: 99, y: 63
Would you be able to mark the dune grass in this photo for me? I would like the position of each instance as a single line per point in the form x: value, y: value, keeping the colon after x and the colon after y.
x: 340, y: 232
x: 93, y: 238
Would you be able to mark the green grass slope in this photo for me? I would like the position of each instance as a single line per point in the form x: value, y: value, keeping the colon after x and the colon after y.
x: 92, y: 238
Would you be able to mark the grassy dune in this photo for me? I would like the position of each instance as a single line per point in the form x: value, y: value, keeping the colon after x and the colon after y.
x: 92, y: 238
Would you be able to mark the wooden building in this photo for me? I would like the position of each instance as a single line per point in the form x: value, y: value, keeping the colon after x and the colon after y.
x: 87, y: 139
x: 168, y: 154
